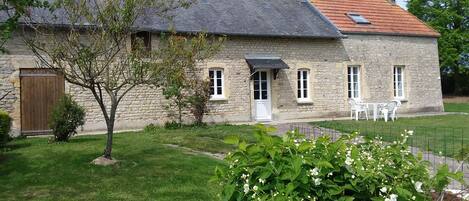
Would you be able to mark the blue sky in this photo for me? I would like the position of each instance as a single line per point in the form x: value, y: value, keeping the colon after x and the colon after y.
x: 402, y: 3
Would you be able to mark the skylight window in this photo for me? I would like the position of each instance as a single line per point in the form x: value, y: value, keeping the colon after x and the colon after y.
x: 357, y: 18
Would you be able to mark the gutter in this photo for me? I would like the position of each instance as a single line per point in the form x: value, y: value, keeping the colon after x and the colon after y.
x: 390, y: 34
x: 65, y: 26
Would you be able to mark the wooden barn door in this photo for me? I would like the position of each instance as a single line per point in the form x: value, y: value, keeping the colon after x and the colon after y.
x: 40, y: 91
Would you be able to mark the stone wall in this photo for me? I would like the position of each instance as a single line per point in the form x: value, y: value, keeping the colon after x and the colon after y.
x: 326, y: 60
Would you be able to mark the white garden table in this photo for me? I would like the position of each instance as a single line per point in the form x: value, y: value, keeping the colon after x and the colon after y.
x: 375, y: 107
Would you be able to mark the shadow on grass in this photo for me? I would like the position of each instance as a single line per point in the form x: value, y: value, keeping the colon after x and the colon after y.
x: 83, y: 140
x: 11, y: 147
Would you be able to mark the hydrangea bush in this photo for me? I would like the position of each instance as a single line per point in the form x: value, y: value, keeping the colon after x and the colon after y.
x: 296, y: 168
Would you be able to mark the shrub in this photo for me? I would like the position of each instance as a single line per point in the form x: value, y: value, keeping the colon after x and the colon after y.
x: 66, y: 117
x: 172, y: 125
x: 5, y: 123
x: 295, y: 168
x: 150, y: 128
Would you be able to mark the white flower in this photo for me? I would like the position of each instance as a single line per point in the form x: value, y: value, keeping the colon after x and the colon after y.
x: 413, y: 197
x: 255, y: 188
x: 317, y: 181
x: 353, y: 176
x: 392, y: 197
x: 418, y: 186
x: 262, y: 181
x: 246, y: 188
x: 244, y: 176
x: 348, y: 161
x: 384, y: 189
x: 410, y: 132
x: 314, y: 172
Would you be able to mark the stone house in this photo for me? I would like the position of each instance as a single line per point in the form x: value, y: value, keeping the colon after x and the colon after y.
x: 283, y: 60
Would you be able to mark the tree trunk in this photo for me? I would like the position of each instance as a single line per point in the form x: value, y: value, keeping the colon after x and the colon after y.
x: 110, y: 132
x: 180, y: 116
x: 110, y: 129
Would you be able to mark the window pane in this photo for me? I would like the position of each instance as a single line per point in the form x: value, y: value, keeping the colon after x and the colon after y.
x: 256, y: 85
x: 219, y: 91
x: 263, y: 75
x: 305, y: 95
x: 305, y: 84
x: 264, y: 85
x: 264, y: 95
x: 256, y: 95
x: 299, y: 93
x: 355, y: 90
x: 299, y: 75
x: 219, y: 74
x: 305, y: 75
x: 219, y: 82
x: 210, y: 74
x: 211, y: 87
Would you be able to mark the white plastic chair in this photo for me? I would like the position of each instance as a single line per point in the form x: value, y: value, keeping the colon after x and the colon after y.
x: 356, y: 108
x: 394, y: 111
x: 389, y: 110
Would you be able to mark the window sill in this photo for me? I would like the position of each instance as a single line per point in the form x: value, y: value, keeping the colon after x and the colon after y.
x: 305, y: 102
x: 403, y: 100
x: 218, y: 99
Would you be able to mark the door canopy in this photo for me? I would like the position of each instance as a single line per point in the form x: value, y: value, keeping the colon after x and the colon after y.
x: 269, y: 62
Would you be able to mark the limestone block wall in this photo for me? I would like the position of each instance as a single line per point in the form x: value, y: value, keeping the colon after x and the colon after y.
x: 327, y: 61
x: 379, y: 54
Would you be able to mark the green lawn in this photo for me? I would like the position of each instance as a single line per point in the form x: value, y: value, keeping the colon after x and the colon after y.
x: 148, y: 170
x: 209, y: 139
x: 457, y: 107
x: 446, y: 134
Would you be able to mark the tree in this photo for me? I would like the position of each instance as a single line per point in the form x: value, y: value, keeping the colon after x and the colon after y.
x: 451, y: 19
x: 184, y: 84
x: 15, y: 9
x: 93, y: 51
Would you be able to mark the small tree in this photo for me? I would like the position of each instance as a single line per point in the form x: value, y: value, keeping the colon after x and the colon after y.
x: 93, y: 51
x: 199, y: 99
x: 184, y: 84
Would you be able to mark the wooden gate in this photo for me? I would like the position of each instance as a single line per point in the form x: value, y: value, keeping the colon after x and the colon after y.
x: 40, y: 91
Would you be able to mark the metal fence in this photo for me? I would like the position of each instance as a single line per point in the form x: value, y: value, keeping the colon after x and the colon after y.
x: 438, y: 145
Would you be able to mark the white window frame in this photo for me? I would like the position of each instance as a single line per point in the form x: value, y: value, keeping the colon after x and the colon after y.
x: 216, y: 95
x: 398, y: 89
x: 301, y: 86
x: 351, y: 81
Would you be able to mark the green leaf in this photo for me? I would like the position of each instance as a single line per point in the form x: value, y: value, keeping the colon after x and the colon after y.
x: 232, y: 139
x: 242, y: 146
x: 324, y: 164
x: 346, y: 198
x: 403, y: 193
x: 228, y: 192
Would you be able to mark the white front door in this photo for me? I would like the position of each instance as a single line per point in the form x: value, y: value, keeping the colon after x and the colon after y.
x: 262, y: 100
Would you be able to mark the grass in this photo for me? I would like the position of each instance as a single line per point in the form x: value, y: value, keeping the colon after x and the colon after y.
x: 447, y: 134
x: 457, y: 107
x: 148, y: 170
x: 208, y: 139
